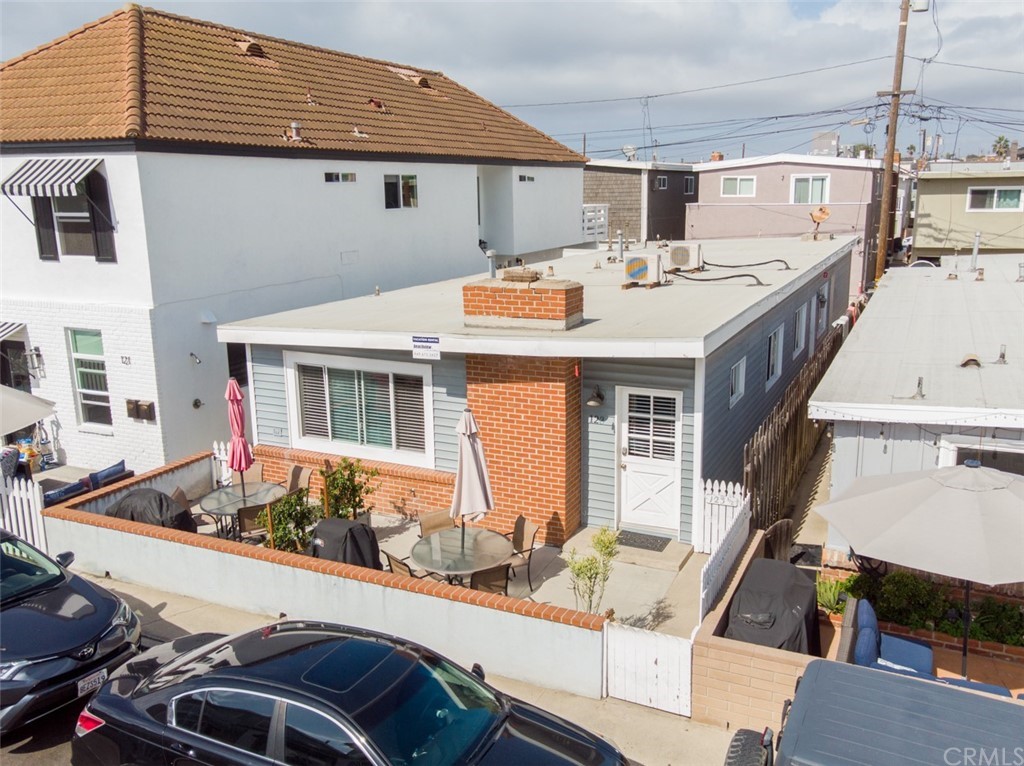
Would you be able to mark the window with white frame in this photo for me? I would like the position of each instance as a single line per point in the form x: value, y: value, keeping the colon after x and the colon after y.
x: 773, y: 369
x: 800, y: 330
x: 737, y: 381
x: 688, y: 185
x: 662, y: 183
x: 810, y: 190
x: 998, y: 199
x: 525, y: 179
x: 90, y: 376
x: 738, y: 186
x: 400, y: 191
x: 78, y: 224
x: 363, y: 407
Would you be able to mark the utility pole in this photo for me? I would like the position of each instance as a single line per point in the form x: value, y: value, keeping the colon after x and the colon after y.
x: 885, y: 224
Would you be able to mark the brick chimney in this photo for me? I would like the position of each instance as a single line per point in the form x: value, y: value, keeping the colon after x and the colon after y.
x: 522, y: 300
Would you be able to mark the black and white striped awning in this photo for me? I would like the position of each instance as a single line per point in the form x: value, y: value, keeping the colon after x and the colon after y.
x: 9, y: 328
x: 49, y: 178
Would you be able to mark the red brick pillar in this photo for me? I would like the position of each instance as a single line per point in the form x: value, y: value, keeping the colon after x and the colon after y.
x: 528, y: 410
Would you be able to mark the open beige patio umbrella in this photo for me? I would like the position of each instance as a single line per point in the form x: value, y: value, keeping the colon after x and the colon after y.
x: 472, y: 497
x: 19, y: 409
x: 964, y: 521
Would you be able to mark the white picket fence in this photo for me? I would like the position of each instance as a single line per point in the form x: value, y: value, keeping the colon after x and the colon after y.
x: 21, y: 506
x: 221, y: 472
x: 648, y: 668
x: 727, y: 526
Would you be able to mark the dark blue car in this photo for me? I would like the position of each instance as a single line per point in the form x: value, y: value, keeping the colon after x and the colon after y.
x: 60, y: 636
x: 315, y: 694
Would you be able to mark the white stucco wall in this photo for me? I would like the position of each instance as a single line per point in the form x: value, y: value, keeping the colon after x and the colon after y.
x: 549, y: 654
x: 206, y: 239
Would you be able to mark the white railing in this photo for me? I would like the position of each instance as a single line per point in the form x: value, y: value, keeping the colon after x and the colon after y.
x: 722, y: 503
x: 221, y: 472
x: 21, y: 507
x: 648, y: 668
x: 595, y: 223
x: 723, y: 556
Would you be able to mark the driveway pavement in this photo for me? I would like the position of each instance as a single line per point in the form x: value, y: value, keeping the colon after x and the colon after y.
x: 651, y: 737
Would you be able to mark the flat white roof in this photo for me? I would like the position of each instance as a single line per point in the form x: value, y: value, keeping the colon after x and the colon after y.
x: 640, y: 164
x: 680, y: 319
x: 788, y: 159
x: 921, y: 324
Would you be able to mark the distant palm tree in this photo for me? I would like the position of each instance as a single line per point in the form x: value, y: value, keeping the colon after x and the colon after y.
x: 1001, y: 147
x: 911, y: 149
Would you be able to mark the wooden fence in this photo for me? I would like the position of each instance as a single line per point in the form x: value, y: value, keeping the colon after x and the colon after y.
x: 775, y: 457
x: 715, y: 572
x: 648, y: 668
x: 21, y: 506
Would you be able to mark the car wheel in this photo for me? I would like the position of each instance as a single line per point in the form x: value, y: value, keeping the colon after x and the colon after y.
x: 745, y: 749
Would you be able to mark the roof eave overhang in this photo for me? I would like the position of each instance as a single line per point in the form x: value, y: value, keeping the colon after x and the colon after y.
x: 659, y: 348
x: 994, y: 417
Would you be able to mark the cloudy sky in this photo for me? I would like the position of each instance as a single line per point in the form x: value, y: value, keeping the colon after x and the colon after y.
x: 676, y: 79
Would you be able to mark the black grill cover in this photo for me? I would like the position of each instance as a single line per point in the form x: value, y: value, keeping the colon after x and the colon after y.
x: 151, y: 506
x: 776, y: 605
x: 349, y: 542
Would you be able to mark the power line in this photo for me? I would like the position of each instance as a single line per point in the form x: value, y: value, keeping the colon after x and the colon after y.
x: 697, y: 90
x: 967, y: 66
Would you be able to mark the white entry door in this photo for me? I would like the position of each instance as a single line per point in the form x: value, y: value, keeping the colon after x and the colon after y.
x: 650, y: 429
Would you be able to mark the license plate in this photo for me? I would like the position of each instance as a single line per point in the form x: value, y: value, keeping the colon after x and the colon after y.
x: 92, y: 683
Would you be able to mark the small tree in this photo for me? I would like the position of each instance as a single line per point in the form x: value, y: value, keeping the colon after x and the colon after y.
x: 589, y: 574
x: 346, y: 488
x: 1001, y: 147
x: 292, y: 521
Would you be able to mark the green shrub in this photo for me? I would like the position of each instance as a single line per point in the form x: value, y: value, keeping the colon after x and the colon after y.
x: 346, y: 488
x: 863, y: 586
x: 589, y: 574
x: 909, y: 600
x: 293, y: 519
x: 830, y: 596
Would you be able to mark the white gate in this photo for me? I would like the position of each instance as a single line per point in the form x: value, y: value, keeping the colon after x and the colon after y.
x: 723, y: 556
x: 648, y: 668
x: 21, y: 506
x: 723, y: 502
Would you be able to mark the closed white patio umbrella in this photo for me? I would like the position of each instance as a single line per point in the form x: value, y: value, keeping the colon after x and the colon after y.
x: 19, y: 410
x: 964, y: 521
x: 472, y: 497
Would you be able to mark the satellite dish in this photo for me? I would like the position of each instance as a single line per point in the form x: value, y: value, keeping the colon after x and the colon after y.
x: 819, y: 216
x: 630, y: 151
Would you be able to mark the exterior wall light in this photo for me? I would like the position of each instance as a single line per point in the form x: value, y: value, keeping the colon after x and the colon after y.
x: 596, y: 397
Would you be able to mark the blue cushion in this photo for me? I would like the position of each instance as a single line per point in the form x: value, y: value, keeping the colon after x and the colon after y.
x: 865, y: 652
x: 99, y: 477
x: 55, y: 496
x: 911, y: 652
x: 866, y: 617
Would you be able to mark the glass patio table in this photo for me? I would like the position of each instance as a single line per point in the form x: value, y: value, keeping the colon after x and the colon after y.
x: 225, y: 502
x: 447, y: 554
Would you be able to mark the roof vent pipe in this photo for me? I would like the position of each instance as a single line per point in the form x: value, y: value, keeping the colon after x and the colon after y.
x: 491, y: 255
x: 974, y: 252
x: 296, y: 128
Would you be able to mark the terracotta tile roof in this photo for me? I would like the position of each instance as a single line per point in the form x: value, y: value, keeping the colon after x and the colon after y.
x: 142, y: 73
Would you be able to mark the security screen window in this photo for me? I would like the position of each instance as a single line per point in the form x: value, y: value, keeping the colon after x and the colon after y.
x: 90, y: 371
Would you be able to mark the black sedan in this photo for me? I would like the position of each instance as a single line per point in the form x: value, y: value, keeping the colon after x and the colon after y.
x: 60, y: 635
x: 315, y: 694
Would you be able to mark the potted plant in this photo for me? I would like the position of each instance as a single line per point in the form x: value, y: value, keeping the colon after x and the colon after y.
x: 292, y: 520
x: 346, y: 488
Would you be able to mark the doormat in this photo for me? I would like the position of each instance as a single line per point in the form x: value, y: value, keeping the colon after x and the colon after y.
x: 646, y: 542
x: 805, y: 555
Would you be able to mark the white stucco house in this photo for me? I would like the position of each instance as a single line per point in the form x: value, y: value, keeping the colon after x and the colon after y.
x: 162, y: 175
x: 931, y: 375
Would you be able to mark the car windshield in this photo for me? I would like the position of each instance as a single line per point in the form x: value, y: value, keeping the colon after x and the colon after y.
x: 435, y: 714
x: 24, y: 570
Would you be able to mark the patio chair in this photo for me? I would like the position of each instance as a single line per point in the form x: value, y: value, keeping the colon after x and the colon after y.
x: 493, y: 580
x: 201, y: 518
x: 247, y: 527
x: 298, y: 478
x: 435, y: 521
x: 779, y: 540
x: 253, y: 474
x: 398, y: 566
x: 523, y: 536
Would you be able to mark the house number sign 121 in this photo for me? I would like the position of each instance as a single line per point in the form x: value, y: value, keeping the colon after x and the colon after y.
x: 126, y: 361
